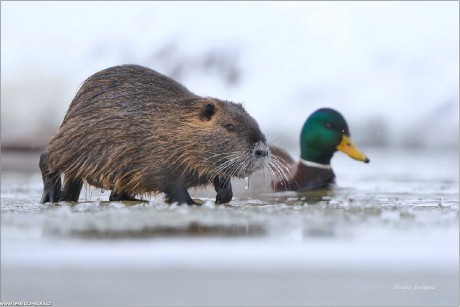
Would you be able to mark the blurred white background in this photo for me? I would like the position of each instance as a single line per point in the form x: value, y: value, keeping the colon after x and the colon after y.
x: 391, y: 68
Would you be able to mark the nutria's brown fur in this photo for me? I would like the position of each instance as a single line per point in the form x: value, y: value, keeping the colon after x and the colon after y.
x: 135, y: 131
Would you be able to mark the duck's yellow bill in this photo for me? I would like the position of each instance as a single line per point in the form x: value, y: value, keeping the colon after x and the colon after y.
x: 347, y: 146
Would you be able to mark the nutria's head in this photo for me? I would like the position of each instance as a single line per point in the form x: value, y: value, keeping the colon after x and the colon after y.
x: 221, y: 139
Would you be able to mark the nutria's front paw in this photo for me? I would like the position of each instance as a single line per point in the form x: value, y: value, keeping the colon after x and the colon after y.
x: 224, y: 191
x: 224, y: 197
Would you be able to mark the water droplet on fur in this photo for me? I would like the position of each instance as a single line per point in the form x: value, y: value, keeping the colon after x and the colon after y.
x: 246, y: 186
x: 87, y: 193
x: 62, y: 182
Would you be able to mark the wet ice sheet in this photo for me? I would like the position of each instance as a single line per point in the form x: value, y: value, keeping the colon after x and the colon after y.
x: 309, y: 237
x: 359, y: 244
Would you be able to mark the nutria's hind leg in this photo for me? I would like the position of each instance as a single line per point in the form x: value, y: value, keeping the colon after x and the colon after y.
x: 52, y: 189
x: 51, y: 181
x: 72, y: 189
x: 223, y: 188
x: 122, y: 196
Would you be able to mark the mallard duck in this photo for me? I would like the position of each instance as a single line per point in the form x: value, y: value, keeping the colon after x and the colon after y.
x: 324, y: 133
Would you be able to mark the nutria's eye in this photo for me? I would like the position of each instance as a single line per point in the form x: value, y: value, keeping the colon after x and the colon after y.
x: 207, y: 113
x: 230, y: 127
x: 328, y: 126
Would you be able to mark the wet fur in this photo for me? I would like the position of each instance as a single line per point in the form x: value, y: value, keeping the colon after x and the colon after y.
x: 134, y: 131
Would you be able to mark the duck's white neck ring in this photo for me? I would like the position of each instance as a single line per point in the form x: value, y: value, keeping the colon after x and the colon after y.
x: 314, y: 164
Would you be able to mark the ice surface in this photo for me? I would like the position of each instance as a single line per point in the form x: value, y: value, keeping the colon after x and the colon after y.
x: 387, y: 223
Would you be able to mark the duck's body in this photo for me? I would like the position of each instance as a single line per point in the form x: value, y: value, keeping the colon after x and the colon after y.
x: 303, y: 175
x: 324, y: 132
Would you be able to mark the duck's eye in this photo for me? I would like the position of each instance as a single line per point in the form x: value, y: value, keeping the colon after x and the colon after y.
x: 328, y: 126
x: 230, y: 127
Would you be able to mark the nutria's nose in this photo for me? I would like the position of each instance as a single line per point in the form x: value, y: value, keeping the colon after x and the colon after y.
x: 260, y: 153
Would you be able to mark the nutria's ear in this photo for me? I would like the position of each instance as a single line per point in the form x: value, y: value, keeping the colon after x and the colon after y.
x: 208, y: 112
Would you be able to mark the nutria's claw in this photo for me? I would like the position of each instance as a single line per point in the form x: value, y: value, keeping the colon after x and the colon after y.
x: 122, y: 196
x: 224, y: 191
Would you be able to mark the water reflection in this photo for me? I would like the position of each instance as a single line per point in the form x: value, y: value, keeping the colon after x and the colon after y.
x: 192, y: 230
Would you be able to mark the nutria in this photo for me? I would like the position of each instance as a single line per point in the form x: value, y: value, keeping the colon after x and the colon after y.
x: 134, y: 131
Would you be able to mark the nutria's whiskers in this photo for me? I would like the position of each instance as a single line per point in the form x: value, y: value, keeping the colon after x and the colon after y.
x: 223, y: 168
x: 279, y: 169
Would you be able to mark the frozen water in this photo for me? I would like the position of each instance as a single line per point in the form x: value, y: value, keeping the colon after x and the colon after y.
x: 388, y: 224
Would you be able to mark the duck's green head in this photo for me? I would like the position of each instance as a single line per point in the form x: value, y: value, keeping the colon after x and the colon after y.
x: 325, y: 132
